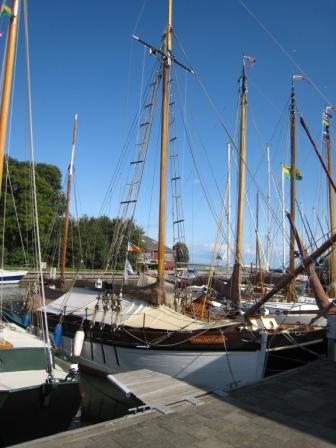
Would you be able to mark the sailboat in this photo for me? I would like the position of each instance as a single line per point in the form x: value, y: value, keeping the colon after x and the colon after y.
x: 302, y: 309
x: 38, y: 395
x: 117, y: 332
x: 8, y: 277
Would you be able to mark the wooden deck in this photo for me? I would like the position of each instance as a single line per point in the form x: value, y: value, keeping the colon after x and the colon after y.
x: 156, y: 390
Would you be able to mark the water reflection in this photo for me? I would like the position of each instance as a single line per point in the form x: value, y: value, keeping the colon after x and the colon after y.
x: 101, y: 401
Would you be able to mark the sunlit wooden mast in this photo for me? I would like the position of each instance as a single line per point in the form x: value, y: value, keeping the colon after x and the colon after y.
x: 291, y: 286
x: 331, y: 198
x: 67, y: 204
x: 7, y: 81
x: 236, y: 273
x: 164, y: 145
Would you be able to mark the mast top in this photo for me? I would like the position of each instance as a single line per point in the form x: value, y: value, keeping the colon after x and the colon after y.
x: 244, y: 77
x: 169, y: 26
x: 292, y: 107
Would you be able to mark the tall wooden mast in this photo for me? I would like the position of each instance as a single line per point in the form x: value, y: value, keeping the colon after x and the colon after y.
x: 291, y: 286
x: 7, y: 81
x: 67, y: 204
x: 331, y: 198
x: 236, y: 273
x: 164, y: 145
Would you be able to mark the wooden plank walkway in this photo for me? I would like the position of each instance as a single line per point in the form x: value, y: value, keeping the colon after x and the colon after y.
x: 157, y: 390
x: 292, y: 410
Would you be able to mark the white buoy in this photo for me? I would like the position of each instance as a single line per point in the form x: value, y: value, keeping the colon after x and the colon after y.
x: 78, y: 342
x: 119, y: 384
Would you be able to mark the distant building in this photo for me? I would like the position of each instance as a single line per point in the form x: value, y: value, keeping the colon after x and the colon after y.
x: 150, y: 254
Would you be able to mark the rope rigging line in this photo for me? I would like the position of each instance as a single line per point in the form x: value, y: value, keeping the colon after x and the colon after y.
x: 194, y: 157
x: 285, y: 52
x: 125, y: 153
x: 128, y: 206
x: 45, y: 331
x: 218, y: 115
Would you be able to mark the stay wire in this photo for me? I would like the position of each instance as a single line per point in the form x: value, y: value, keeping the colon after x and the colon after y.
x: 284, y: 51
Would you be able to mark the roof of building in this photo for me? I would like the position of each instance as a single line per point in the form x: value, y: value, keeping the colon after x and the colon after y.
x: 151, y: 244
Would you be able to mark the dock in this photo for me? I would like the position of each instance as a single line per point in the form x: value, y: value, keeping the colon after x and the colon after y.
x: 156, y: 390
x: 295, y: 409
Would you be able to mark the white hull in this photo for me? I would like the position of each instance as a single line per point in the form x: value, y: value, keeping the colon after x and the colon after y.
x: 11, y: 277
x: 284, y: 312
x: 209, y: 370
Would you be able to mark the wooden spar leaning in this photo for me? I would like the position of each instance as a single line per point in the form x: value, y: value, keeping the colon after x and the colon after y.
x: 331, y: 180
x: 321, y: 297
x: 291, y: 286
x: 236, y: 273
x: 163, y: 165
x: 331, y: 193
x: 283, y: 282
x: 7, y: 81
x: 67, y: 205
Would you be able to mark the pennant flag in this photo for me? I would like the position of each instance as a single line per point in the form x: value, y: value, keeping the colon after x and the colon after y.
x: 252, y: 60
x: 298, y: 77
x: 286, y: 170
x: 298, y: 175
x: 6, y: 11
x: 326, y: 119
x: 133, y: 248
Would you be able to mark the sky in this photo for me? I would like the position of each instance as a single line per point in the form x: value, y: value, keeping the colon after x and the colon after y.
x: 84, y: 60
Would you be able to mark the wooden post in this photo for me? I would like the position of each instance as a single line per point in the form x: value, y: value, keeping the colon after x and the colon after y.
x: 7, y: 81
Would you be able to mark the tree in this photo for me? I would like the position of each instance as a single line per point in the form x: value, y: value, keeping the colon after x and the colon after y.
x: 16, y: 204
x: 90, y: 239
x: 181, y: 253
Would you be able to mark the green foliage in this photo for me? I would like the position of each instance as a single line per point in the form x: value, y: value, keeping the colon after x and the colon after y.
x: 181, y: 253
x: 18, y: 194
x: 92, y: 242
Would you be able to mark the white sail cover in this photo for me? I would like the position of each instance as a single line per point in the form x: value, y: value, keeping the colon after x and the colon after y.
x: 134, y: 312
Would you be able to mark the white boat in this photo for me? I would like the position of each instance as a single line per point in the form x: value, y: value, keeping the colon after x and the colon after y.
x: 211, y: 369
x: 28, y: 394
x: 10, y: 277
x: 294, y: 312
x: 123, y: 333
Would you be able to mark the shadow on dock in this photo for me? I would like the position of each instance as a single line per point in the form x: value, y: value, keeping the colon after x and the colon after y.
x: 294, y: 409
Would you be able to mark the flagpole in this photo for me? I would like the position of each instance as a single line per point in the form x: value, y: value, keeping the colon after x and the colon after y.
x: 229, y: 206
x: 268, y: 246
x: 283, y: 219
